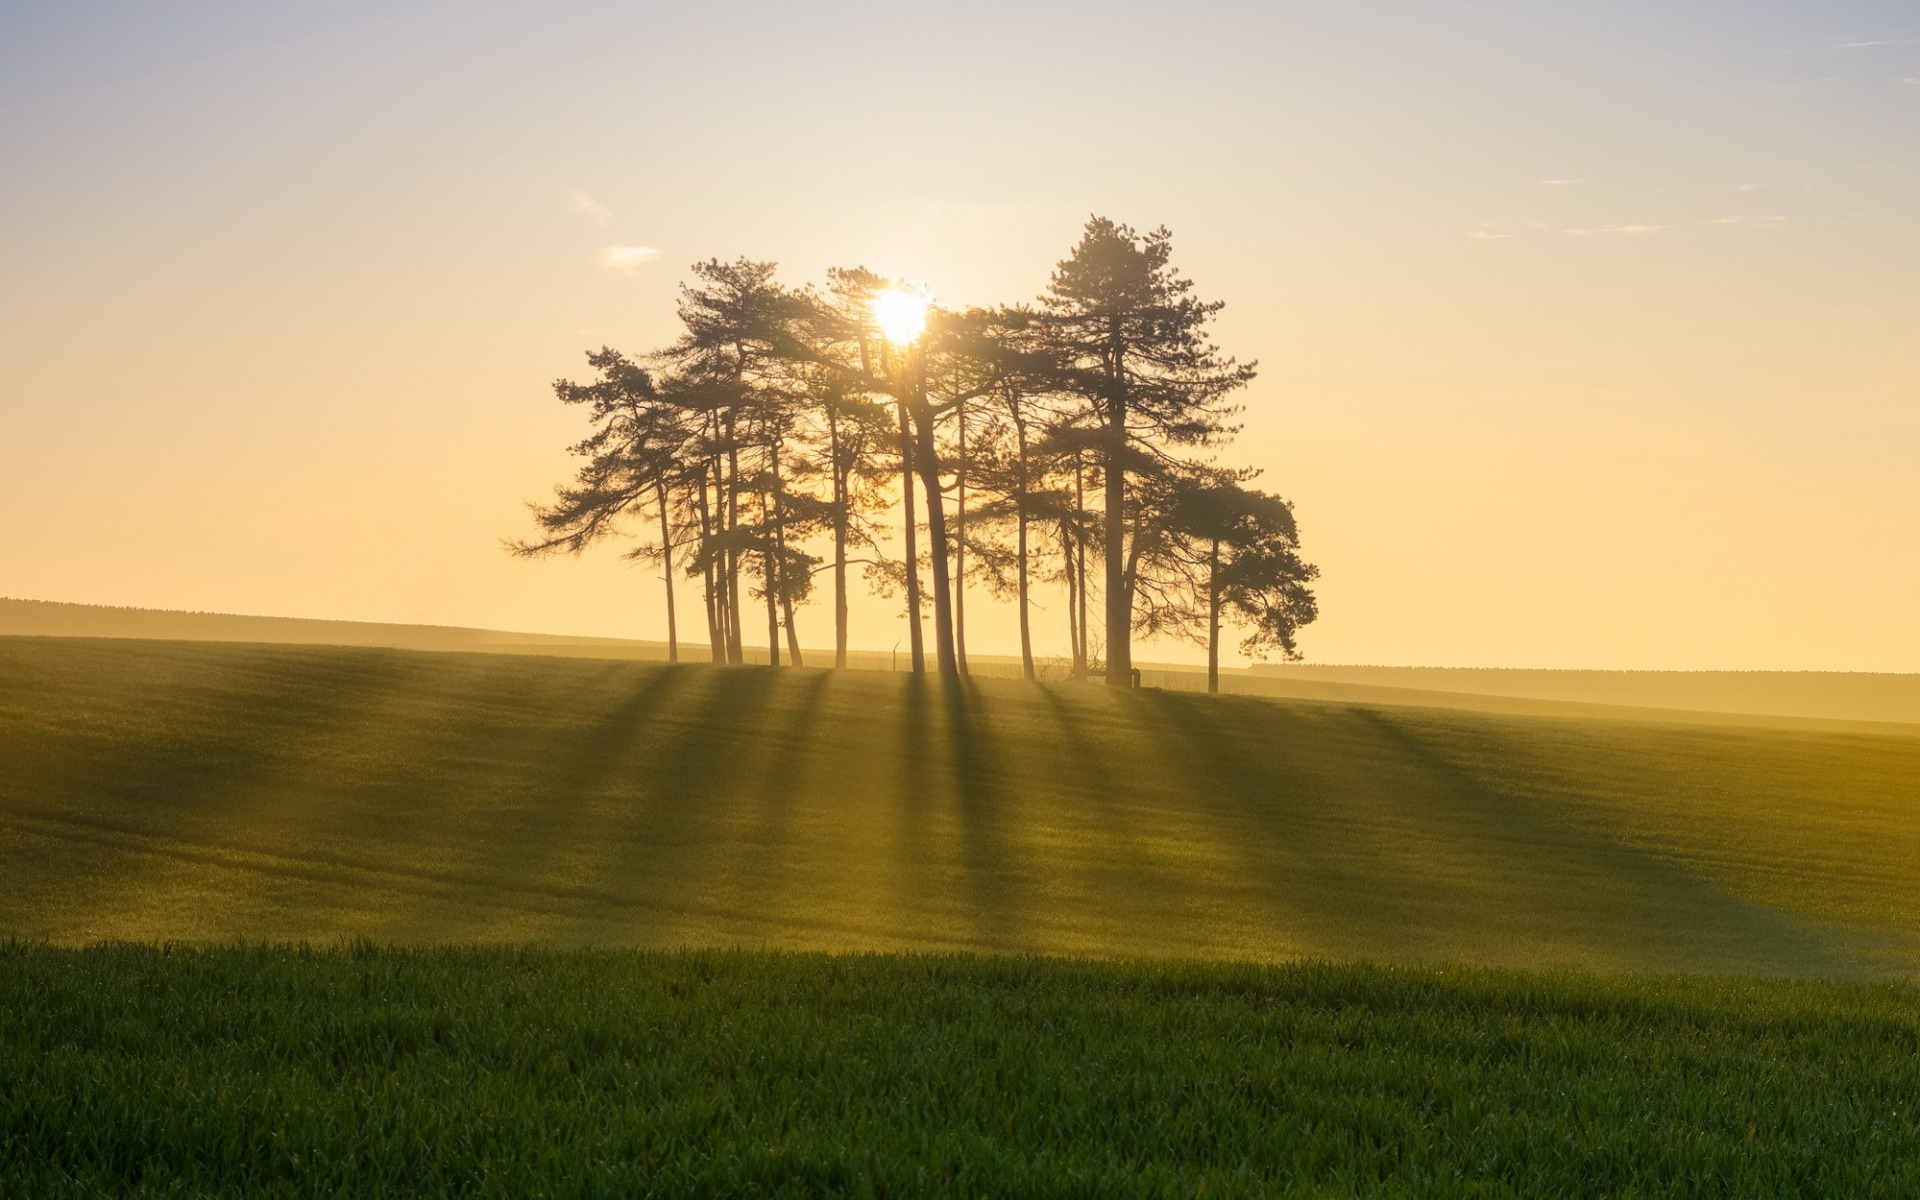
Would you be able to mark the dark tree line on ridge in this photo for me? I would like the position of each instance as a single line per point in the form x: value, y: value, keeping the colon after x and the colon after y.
x: 787, y: 431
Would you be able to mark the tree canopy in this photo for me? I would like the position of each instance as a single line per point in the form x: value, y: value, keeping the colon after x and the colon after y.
x: 1066, y: 444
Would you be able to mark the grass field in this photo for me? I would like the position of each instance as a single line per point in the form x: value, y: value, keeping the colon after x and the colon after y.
x: 520, y: 1073
x: 565, y: 907
x: 160, y: 791
x: 1794, y: 698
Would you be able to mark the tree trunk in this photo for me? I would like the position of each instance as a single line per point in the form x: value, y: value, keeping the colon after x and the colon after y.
x: 1081, y: 665
x: 768, y: 573
x: 1119, y: 606
x: 780, y: 557
x: 927, y: 461
x: 666, y: 570
x: 730, y: 499
x: 1213, y: 618
x: 793, y: 634
x: 1020, y: 541
x: 960, y: 549
x: 1073, y: 594
x: 716, y: 641
x: 841, y: 500
x: 915, y: 639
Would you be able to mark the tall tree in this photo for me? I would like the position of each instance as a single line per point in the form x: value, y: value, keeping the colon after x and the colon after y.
x: 735, y: 320
x: 907, y: 374
x: 1134, y: 347
x: 633, y: 460
x: 1000, y: 371
x: 837, y: 350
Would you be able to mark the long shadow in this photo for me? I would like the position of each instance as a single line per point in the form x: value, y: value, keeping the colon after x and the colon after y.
x: 600, y: 814
x: 995, y: 891
x: 1719, y: 930
x: 762, y: 871
x: 197, y: 739
x: 916, y: 774
x: 190, y: 746
x: 1251, y: 807
x: 572, y: 783
x: 1136, y: 903
x: 1496, y: 860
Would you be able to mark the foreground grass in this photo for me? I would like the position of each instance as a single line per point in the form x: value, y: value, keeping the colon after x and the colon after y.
x: 214, y: 793
x: 514, y: 1073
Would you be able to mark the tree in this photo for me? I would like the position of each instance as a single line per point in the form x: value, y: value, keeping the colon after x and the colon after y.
x: 1001, y: 415
x: 773, y: 421
x: 732, y: 351
x: 1132, y: 345
x: 1236, y: 550
x: 633, y: 459
x: 835, y: 351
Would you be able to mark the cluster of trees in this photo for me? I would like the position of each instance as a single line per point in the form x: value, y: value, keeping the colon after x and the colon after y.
x: 789, y: 432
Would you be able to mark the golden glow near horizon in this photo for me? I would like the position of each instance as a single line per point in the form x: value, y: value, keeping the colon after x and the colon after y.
x: 1587, y: 337
x: 901, y: 314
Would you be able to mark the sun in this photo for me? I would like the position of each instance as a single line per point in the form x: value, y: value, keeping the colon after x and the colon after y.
x: 901, y: 315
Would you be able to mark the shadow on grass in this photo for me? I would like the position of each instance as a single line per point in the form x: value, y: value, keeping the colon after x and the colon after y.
x: 990, y: 859
x: 1441, y: 863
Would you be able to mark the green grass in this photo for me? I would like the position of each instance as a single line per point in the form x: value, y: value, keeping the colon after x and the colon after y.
x: 210, y: 793
x: 516, y: 1073
x: 206, y: 795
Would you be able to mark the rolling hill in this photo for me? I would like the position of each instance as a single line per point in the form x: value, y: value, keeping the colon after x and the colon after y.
x: 1790, y: 698
x: 212, y: 792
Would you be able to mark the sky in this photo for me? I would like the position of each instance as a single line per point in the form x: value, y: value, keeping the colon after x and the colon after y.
x: 1588, y: 335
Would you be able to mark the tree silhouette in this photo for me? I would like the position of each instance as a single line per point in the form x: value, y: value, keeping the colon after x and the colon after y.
x: 1051, y: 444
x: 1133, y: 346
x: 633, y: 459
x: 733, y: 353
x: 1220, y: 552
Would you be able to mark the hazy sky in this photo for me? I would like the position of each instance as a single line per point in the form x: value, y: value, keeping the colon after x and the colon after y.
x: 1589, y: 333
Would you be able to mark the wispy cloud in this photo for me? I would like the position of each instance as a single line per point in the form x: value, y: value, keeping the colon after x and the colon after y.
x: 1746, y: 222
x: 1560, y: 182
x: 1748, y: 187
x: 1617, y: 229
x: 1486, y: 235
x: 1868, y: 42
x: 627, y: 259
x: 588, y: 207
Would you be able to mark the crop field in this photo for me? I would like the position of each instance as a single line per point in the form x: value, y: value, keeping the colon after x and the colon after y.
x: 594, y: 927
x: 516, y: 1072
x: 174, y: 791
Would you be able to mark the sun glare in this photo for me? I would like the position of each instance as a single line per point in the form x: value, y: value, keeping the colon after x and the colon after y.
x: 902, y: 315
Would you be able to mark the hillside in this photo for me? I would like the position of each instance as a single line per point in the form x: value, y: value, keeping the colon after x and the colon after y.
x: 209, y: 792
x: 1791, y: 699
x: 47, y: 618
x: 1830, y: 695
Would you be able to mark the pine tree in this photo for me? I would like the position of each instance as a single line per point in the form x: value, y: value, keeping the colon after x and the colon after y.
x: 634, y: 457
x: 1133, y: 347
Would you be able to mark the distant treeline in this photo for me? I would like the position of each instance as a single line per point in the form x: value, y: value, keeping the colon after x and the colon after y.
x: 1069, y: 441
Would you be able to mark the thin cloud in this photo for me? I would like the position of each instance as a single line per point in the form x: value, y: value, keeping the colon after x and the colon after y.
x: 1746, y: 222
x: 1748, y: 187
x: 1560, y: 182
x: 588, y: 207
x: 1486, y: 236
x: 1618, y: 229
x: 627, y: 259
x: 1868, y: 43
